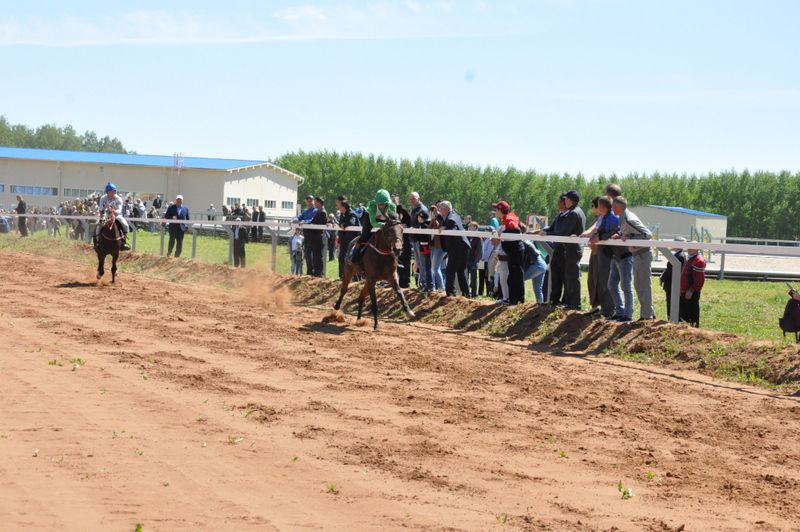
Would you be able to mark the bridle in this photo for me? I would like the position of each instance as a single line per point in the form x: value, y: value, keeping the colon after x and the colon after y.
x: 385, y: 252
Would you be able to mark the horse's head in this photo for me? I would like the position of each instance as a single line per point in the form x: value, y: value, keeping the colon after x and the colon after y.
x: 391, y: 236
x: 108, y: 217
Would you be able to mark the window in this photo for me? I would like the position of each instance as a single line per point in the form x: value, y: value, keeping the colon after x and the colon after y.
x: 287, y: 205
x: 233, y: 202
x: 252, y: 202
x: 34, y: 191
x: 269, y: 203
x: 81, y: 193
x: 3, y: 188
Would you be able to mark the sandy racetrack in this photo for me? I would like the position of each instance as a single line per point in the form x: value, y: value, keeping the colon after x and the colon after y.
x: 217, y: 410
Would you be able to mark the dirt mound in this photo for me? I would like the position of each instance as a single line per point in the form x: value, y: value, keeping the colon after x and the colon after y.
x: 654, y: 342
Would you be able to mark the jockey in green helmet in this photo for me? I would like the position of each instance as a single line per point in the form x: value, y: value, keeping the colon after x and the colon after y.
x: 378, y: 211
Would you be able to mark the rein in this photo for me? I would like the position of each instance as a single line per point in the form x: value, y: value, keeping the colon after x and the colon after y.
x: 384, y: 252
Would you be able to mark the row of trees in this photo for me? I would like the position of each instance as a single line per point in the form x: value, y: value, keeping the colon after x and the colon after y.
x: 759, y: 204
x: 52, y: 137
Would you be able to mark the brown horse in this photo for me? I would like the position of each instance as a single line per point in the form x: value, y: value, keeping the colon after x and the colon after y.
x: 378, y: 263
x: 109, y: 242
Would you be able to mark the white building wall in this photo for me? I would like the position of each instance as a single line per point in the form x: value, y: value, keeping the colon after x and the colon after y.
x: 678, y: 224
x: 200, y: 188
x: 265, y: 186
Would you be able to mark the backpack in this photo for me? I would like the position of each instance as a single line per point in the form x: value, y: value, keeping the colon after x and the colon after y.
x: 790, y: 322
x: 531, y: 255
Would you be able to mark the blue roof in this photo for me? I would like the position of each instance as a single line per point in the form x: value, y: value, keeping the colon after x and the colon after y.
x: 688, y: 211
x: 122, y: 158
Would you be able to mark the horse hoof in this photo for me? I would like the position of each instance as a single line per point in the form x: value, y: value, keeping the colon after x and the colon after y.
x: 411, y: 315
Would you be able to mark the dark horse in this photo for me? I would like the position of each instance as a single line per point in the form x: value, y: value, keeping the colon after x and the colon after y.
x: 378, y: 263
x: 109, y: 242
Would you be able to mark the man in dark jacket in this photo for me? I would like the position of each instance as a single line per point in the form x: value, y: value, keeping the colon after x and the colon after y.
x: 573, y: 223
x: 176, y: 211
x: 314, y: 238
x: 22, y: 207
x: 556, y: 263
x: 404, y: 260
x: 420, y: 217
x: 457, y: 248
x: 347, y: 218
x: 240, y: 238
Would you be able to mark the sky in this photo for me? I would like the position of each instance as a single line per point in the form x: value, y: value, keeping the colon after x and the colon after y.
x: 590, y: 86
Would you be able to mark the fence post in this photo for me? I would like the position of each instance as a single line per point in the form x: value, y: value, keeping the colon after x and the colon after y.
x: 230, y: 243
x: 721, y: 276
x: 675, y: 285
x: 194, y: 241
x: 161, y: 251
x: 549, y: 249
x: 133, y: 240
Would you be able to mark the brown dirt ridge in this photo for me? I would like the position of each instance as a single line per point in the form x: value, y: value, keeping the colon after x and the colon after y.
x: 223, y: 402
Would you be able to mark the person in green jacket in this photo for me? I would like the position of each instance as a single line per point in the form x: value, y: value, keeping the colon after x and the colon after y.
x: 378, y: 211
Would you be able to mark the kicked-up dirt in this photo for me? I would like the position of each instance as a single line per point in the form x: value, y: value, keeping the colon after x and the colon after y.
x: 189, y: 407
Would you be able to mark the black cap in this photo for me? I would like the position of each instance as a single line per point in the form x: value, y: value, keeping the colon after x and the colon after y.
x: 573, y: 196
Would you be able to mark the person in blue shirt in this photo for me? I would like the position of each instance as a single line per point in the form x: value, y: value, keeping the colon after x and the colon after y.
x: 307, y: 215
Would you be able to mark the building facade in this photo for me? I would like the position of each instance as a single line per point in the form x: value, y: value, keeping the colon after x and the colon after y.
x: 678, y: 221
x: 46, y: 178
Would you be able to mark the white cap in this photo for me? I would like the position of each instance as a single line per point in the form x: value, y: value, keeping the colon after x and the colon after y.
x: 178, y: 197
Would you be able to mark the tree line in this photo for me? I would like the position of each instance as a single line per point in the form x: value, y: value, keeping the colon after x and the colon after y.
x: 757, y: 204
x: 52, y: 137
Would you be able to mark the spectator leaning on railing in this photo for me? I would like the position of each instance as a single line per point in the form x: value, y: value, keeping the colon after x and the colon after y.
x: 693, y: 277
x: 632, y: 228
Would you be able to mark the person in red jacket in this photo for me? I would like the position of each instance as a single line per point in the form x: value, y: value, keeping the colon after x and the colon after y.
x: 514, y: 250
x: 693, y: 276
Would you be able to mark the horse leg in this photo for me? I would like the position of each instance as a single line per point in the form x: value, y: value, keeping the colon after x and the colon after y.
x: 114, y: 257
x: 395, y: 282
x: 101, y: 259
x: 361, y: 298
x: 348, y: 276
x: 374, y: 300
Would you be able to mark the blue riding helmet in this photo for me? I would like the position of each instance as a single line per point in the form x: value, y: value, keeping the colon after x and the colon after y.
x: 111, y: 186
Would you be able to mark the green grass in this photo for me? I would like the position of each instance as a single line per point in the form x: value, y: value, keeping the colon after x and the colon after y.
x: 748, y: 308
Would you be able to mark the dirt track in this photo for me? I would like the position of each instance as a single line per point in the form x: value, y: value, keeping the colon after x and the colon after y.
x: 217, y: 410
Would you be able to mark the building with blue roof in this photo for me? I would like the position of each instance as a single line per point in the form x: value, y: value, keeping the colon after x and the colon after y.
x: 681, y: 221
x: 47, y: 177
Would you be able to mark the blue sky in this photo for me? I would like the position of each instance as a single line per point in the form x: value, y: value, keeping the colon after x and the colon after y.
x: 591, y: 86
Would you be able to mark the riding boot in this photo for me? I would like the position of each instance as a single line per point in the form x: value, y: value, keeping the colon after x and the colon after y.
x: 95, y: 242
x: 125, y: 246
x: 355, y: 258
x: 397, y: 253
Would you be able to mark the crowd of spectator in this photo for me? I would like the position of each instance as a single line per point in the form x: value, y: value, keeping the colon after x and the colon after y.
x: 474, y: 266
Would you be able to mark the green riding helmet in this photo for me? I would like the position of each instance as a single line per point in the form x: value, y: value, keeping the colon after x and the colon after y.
x: 382, y: 196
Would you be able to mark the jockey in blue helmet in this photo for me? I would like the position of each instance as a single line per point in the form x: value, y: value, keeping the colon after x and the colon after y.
x: 113, y: 202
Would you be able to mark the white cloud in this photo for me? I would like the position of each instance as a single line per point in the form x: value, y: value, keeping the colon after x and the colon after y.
x: 299, y: 13
x: 376, y: 19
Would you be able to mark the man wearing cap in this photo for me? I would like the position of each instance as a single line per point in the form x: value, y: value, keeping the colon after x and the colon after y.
x: 572, y: 223
x: 176, y: 211
x: 514, y: 251
x: 315, y: 239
